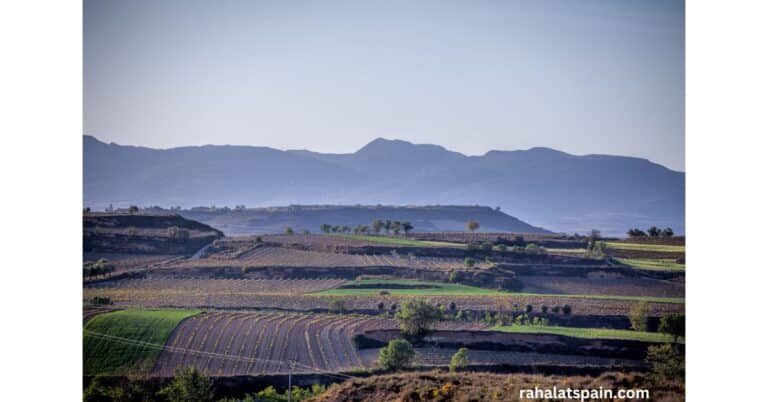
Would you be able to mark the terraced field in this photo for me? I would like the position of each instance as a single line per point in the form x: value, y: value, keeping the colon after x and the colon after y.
x: 225, y: 344
x: 267, y: 256
x: 442, y: 357
x: 210, y: 287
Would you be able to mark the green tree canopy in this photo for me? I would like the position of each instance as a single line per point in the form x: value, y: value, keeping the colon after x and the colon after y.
x: 416, y: 317
x: 397, y: 354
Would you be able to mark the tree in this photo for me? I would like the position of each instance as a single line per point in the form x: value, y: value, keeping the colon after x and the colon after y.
x: 454, y: 276
x: 667, y: 363
x: 397, y: 354
x: 638, y: 316
x: 133, y: 209
x: 407, y: 227
x: 674, y: 325
x: 667, y: 232
x: 325, y: 228
x: 417, y: 316
x: 469, y: 263
x: 288, y: 230
x: 377, y: 225
x: 396, y: 227
x: 472, y: 225
x: 387, y: 225
x: 189, y: 385
x: 635, y: 233
x: 337, y: 305
x: 178, y: 234
x: 460, y: 359
x: 653, y: 231
x: 86, y: 210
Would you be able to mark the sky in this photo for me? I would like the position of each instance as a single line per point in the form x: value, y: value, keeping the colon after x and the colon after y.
x: 580, y: 76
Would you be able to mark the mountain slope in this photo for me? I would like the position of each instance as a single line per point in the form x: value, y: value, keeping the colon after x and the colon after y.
x: 545, y: 187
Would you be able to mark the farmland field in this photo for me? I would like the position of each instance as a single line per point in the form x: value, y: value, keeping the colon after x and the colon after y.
x: 223, y: 344
x: 406, y: 287
x: 400, y: 241
x: 431, y: 356
x: 664, y: 264
x: 106, y: 356
x: 647, y: 247
x: 589, y: 333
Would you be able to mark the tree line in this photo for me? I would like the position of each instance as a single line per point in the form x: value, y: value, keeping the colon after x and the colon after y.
x: 653, y: 231
x: 377, y: 226
x: 100, y: 267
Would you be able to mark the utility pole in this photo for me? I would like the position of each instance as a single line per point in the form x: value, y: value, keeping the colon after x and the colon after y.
x: 290, y: 370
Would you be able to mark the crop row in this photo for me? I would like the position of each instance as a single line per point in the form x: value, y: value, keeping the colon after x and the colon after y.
x: 226, y: 344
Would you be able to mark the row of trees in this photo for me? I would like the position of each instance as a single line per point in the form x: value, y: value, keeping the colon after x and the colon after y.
x: 100, y: 267
x: 376, y: 227
x: 653, y: 231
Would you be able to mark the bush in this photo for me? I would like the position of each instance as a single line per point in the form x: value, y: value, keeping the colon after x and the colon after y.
x: 501, y: 247
x: 528, y: 308
x: 337, y: 305
x: 289, y: 230
x: 638, y: 316
x: 469, y: 262
x: 189, y: 385
x: 667, y: 363
x: 567, y: 309
x: 532, y: 248
x: 544, y: 309
x: 397, y: 354
x: 416, y: 317
x: 673, y: 324
x: 459, y: 360
x: 454, y: 276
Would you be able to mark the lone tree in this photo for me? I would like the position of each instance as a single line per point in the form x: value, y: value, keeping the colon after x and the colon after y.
x: 377, y: 225
x: 396, y: 355
x: 133, y: 209
x: 416, y: 317
x: 407, y: 227
x: 667, y: 232
x: 667, y: 362
x: 289, y: 230
x: 472, y: 225
x: 469, y: 263
x: 459, y: 360
x: 638, y: 316
x: 189, y: 385
x: 674, y: 325
x: 325, y: 228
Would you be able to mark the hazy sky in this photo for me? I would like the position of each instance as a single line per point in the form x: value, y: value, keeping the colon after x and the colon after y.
x: 576, y: 75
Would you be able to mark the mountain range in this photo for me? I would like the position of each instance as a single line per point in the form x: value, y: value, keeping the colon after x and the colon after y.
x: 544, y: 187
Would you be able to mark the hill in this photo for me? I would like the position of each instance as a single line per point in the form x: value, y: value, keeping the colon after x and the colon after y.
x: 548, y: 188
x: 144, y: 234
x: 423, y: 218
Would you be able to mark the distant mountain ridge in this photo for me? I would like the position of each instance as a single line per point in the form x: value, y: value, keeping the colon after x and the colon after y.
x: 542, y: 186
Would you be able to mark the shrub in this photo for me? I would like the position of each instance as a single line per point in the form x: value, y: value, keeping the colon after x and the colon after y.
x: 460, y: 359
x: 567, y: 309
x: 638, y: 316
x: 189, y: 385
x: 289, y: 230
x: 469, y: 262
x: 501, y: 247
x: 667, y: 363
x: 556, y: 309
x: 337, y: 305
x: 416, y: 317
x: 673, y: 324
x: 528, y: 308
x: 384, y: 293
x: 454, y: 276
x: 397, y: 354
x: 452, y: 306
x: 472, y: 225
x: 544, y: 309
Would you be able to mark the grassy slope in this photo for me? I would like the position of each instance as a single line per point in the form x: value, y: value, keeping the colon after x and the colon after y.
x: 646, y: 247
x: 452, y: 289
x: 590, y: 333
x: 400, y: 241
x: 666, y: 264
x: 439, y: 289
x: 103, y: 356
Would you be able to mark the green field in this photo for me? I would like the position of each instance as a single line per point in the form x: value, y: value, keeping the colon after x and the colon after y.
x: 111, y: 356
x: 413, y: 287
x: 569, y: 251
x: 407, y: 287
x: 400, y: 241
x: 589, y: 333
x: 664, y: 264
x: 664, y: 248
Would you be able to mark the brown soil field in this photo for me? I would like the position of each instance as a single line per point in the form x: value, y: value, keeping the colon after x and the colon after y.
x: 432, y: 356
x: 212, y: 287
x: 268, y: 256
x: 462, y: 387
x: 606, y: 285
x: 226, y: 344
x: 230, y: 300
